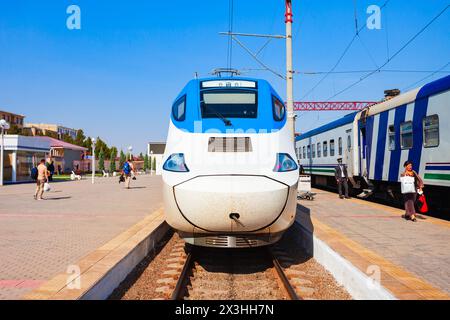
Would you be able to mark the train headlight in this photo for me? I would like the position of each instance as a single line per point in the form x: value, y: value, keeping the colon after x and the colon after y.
x: 285, y: 163
x: 176, y: 163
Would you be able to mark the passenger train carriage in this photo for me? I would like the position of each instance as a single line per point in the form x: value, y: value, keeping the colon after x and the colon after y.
x: 229, y: 174
x: 376, y: 141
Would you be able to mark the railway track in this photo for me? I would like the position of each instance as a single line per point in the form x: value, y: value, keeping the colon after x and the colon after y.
x: 184, y: 272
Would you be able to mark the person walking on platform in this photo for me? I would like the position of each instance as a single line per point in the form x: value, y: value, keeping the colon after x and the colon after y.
x: 409, y: 190
x: 340, y: 172
x: 42, y: 177
x: 128, y: 170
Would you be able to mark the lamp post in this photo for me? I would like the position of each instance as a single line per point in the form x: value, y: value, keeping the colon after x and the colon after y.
x: 4, y: 126
x: 93, y: 160
x: 130, y: 148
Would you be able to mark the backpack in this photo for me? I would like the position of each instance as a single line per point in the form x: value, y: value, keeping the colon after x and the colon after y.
x: 34, y: 173
x: 126, y: 168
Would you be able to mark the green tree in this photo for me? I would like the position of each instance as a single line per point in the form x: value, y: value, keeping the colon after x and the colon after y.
x: 88, y: 144
x: 154, y: 164
x: 80, y: 138
x: 146, y: 162
x: 13, y: 129
x: 141, y: 156
x: 112, y: 153
x: 122, y: 159
x: 112, y: 159
x: 101, y: 160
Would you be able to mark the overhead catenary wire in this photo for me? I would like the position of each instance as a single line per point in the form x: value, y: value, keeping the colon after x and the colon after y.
x: 393, y: 56
x: 230, y: 31
x: 428, y: 76
x: 341, y: 56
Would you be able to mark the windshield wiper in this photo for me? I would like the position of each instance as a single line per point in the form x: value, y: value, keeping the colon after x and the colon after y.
x: 225, y: 120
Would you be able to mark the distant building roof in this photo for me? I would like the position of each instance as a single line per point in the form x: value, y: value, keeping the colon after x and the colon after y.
x: 55, y: 143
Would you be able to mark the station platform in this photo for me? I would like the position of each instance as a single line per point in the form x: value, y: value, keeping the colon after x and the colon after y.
x: 413, y: 257
x: 40, y: 239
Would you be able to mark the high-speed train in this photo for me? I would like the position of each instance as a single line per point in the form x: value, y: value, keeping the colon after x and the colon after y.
x: 229, y: 174
x: 376, y: 141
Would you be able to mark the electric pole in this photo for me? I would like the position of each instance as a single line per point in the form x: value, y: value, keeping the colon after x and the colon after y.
x: 289, y: 70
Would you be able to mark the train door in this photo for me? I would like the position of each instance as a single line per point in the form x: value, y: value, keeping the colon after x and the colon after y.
x: 364, y: 163
x: 349, y: 152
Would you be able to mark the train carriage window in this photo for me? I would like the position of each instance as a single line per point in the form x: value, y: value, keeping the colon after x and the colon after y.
x: 391, y: 137
x: 309, y: 151
x: 349, y: 143
x: 299, y: 154
x: 179, y: 109
x: 319, y: 150
x: 325, y: 149
x: 431, y: 131
x: 332, y: 148
x: 304, y: 152
x: 278, y: 109
x: 313, y: 150
x: 340, y: 146
x: 406, y: 135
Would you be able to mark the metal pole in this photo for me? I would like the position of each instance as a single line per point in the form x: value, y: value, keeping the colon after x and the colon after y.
x: 93, y: 161
x: 289, y: 70
x: 1, y: 157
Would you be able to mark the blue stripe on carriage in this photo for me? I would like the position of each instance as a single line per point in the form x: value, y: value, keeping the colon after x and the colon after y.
x: 381, y: 145
x: 369, y: 136
x: 420, y: 111
x: 437, y: 168
x: 399, y: 117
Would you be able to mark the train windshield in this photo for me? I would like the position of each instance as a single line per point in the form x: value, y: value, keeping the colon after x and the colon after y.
x: 229, y: 104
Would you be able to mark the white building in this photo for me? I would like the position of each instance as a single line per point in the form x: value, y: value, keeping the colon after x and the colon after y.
x: 155, y: 150
x: 21, y: 154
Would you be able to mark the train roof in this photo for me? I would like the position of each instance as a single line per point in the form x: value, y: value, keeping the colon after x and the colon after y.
x: 428, y: 89
x: 335, y: 124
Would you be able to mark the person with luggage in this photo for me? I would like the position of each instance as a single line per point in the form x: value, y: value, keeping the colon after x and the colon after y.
x: 41, y: 173
x: 411, y: 183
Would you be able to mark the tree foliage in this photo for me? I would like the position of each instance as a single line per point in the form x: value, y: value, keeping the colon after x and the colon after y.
x: 122, y: 159
x: 101, y: 160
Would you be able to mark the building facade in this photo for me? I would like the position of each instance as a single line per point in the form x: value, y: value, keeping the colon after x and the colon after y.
x: 155, y: 150
x: 12, y: 118
x: 59, y: 130
x: 21, y: 154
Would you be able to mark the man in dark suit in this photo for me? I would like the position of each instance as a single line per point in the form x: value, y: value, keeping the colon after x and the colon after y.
x: 340, y: 172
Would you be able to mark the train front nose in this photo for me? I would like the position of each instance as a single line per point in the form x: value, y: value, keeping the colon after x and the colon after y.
x: 231, y: 203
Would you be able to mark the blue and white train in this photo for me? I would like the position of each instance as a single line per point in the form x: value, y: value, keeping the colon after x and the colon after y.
x: 376, y: 141
x: 229, y: 174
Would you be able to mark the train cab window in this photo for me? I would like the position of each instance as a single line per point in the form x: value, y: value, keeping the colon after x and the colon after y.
x: 431, y: 131
x: 278, y: 109
x: 230, y: 103
x: 319, y: 150
x: 391, y: 137
x: 325, y: 149
x: 304, y: 152
x: 406, y: 135
x: 179, y: 109
x: 309, y: 151
x: 313, y: 150
x: 340, y: 146
x: 332, y: 148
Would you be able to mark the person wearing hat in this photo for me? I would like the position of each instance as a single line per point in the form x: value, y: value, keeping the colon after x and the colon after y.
x: 340, y: 172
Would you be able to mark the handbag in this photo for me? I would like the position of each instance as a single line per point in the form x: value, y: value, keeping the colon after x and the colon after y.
x: 422, y: 204
x: 407, y: 184
x: 47, y: 187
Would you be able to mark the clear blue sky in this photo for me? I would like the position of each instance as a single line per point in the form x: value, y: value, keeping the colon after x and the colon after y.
x: 117, y: 77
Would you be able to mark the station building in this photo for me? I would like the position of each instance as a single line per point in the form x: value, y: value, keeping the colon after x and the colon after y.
x: 21, y: 154
x: 155, y: 150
